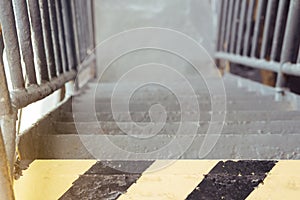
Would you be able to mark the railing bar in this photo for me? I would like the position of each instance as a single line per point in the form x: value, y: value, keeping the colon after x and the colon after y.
x: 298, y: 60
x: 87, y: 37
x: 47, y: 38
x: 67, y: 23
x: 5, y: 106
x: 83, y: 28
x: 250, y: 61
x: 219, y: 25
x: 37, y: 40
x: 257, y: 27
x: 55, y: 36
x: 241, y: 26
x: 80, y: 20
x: 11, y: 44
x: 76, y: 32
x: 286, y: 68
x: 235, y: 21
x: 224, y: 20
x: 278, y: 32
x: 93, y: 40
x: 271, y: 8
x: 32, y: 94
x: 90, y: 25
x: 229, y: 24
x: 24, y: 36
x: 248, y: 27
x: 291, y: 38
x: 61, y: 36
x: 6, y: 187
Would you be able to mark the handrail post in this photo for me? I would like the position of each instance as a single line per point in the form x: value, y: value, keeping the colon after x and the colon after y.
x: 290, y: 39
x: 6, y: 188
x: 6, y: 168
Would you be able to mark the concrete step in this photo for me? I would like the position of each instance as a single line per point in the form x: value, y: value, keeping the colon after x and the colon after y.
x: 171, y: 128
x: 176, y: 116
x: 138, y: 107
x: 151, y: 93
x: 170, y: 97
x: 228, y: 146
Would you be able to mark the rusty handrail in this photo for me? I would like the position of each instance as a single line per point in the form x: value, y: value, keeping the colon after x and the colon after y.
x: 270, y: 44
x: 44, y: 35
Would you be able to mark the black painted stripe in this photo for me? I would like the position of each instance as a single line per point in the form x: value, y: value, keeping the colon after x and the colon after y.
x: 232, y: 180
x: 106, y: 180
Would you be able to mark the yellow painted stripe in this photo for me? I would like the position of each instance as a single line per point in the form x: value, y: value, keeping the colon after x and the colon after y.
x: 49, y: 179
x: 283, y: 182
x: 175, y: 181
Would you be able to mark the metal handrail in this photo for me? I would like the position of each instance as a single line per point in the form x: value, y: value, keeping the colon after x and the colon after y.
x: 261, y: 34
x: 49, y: 37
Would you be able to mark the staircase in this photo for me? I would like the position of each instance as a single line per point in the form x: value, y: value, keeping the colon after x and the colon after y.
x: 258, y: 125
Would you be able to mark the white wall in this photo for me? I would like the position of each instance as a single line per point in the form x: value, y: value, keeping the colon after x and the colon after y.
x: 192, y: 17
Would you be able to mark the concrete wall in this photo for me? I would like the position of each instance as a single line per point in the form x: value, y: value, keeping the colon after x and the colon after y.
x: 191, y: 17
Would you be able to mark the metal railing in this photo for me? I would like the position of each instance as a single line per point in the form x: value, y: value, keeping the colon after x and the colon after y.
x: 263, y: 34
x: 45, y: 42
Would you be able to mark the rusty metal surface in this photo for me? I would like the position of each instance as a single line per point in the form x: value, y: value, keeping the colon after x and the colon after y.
x: 6, y: 188
x: 61, y: 34
x: 47, y: 38
x: 271, y: 39
x: 24, y: 36
x: 11, y: 43
x: 5, y: 107
x: 8, y: 126
x: 21, y: 99
x: 55, y: 37
x: 70, y: 35
x: 38, y: 41
x: 75, y: 30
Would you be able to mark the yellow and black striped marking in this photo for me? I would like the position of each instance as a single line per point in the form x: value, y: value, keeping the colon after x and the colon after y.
x: 182, y: 179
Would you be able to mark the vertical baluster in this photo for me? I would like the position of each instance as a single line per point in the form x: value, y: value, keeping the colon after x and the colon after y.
x: 241, y: 27
x: 11, y: 43
x: 271, y: 9
x: 61, y: 32
x: 248, y: 27
x: 69, y: 37
x: 24, y: 36
x: 291, y: 39
x: 229, y: 25
x: 75, y: 31
x: 279, y: 30
x: 220, y: 14
x: 38, y: 40
x: 79, y: 20
x: 292, y: 32
x: 298, y: 60
x: 235, y: 22
x: 257, y: 26
x: 86, y: 27
x: 54, y: 36
x: 47, y: 38
x: 224, y: 21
